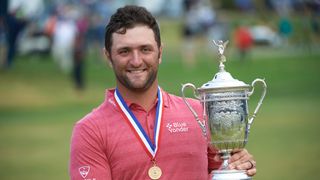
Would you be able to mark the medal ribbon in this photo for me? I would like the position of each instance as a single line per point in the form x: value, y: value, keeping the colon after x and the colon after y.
x: 150, y: 148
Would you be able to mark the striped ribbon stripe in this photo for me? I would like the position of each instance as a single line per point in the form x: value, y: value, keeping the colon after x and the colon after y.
x: 135, y: 124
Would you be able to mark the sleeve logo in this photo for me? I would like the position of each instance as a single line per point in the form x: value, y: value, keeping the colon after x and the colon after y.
x: 84, y: 171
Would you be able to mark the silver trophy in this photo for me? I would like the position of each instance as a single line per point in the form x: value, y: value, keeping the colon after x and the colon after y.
x: 225, y: 109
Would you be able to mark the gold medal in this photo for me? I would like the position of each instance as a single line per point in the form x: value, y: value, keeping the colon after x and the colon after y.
x: 154, y: 172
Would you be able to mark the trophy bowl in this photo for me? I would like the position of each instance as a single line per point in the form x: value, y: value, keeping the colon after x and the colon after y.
x: 227, y: 119
x: 225, y: 111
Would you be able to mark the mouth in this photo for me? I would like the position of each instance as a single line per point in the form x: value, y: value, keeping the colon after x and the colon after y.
x: 136, y: 71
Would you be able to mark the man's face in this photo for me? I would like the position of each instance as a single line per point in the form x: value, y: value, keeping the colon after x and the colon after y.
x: 135, y: 57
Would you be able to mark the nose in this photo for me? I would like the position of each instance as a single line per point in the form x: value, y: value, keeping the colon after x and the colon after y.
x: 136, y: 59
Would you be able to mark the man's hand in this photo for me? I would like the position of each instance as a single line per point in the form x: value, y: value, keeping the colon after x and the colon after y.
x: 243, y: 160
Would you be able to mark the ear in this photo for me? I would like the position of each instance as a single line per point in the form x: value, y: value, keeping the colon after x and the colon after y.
x: 160, y: 53
x: 108, y: 57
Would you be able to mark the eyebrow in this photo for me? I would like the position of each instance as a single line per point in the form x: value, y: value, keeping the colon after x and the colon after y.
x: 130, y: 47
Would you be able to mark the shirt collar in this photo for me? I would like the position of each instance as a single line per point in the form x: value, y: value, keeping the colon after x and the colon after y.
x: 109, y: 96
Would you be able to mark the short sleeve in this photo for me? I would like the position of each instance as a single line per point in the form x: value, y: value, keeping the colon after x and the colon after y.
x: 87, y: 155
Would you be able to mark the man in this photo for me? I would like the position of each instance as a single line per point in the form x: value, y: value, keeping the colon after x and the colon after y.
x: 20, y: 14
x: 140, y: 131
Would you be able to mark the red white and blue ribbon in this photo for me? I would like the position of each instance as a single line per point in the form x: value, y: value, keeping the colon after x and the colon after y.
x: 150, y: 148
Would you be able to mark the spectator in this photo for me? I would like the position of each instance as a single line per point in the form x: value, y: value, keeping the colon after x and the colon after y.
x: 243, y: 41
x: 20, y: 13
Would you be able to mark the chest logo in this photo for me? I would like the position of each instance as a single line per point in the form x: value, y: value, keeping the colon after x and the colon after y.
x: 177, y: 127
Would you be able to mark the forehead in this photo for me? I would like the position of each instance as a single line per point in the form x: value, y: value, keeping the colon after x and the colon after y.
x: 136, y: 36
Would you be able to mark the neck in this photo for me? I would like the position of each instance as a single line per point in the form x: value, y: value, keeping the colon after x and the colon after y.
x: 143, y: 98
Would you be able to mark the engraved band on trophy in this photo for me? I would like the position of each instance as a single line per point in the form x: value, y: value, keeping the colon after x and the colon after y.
x: 225, y: 104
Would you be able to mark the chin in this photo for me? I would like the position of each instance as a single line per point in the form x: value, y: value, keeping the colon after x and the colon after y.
x: 139, y: 87
x: 138, y: 84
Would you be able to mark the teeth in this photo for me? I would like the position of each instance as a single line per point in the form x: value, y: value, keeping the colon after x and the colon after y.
x: 136, y: 71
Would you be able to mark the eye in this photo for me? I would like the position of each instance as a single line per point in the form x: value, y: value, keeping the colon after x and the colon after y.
x: 123, y: 51
x: 146, y: 49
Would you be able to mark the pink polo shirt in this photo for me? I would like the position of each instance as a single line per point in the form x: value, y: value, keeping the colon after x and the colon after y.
x: 104, y: 146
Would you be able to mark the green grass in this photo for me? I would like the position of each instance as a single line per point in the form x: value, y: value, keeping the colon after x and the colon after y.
x: 38, y: 107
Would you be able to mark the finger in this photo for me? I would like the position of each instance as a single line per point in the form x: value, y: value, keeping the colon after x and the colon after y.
x: 242, y: 156
x: 239, y: 154
x: 253, y: 163
x: 252, y: 172
x: 237, y: 150
x: 238, y: 164
x: 246, y: 165
x: 240, y: 160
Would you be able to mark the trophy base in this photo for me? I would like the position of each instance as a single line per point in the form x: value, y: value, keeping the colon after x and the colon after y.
x: 230, y: 175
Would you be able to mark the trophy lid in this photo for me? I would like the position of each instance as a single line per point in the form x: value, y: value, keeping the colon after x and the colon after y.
x: 223, y: 79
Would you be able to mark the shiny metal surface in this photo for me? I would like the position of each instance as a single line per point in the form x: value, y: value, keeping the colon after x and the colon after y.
x: 226, y: 113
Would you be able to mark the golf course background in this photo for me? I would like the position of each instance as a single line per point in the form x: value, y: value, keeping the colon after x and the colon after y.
x: 38, y: 107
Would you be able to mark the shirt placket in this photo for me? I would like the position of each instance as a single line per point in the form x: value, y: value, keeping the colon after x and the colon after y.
x: 146, y: 119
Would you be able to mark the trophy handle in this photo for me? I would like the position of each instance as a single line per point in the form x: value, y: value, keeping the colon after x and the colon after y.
x: 264, y: 85
x: 195, y: 93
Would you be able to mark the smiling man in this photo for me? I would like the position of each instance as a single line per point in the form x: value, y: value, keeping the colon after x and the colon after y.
x: 140, y: 131
x: 135, y: 57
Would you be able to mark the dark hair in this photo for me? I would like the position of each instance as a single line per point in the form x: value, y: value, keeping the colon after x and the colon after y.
x: 128, y: 17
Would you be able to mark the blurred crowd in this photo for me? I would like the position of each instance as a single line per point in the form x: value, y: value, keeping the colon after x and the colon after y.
x: 276, y: 23
x: 63, y: 28
x: 68, y: 29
